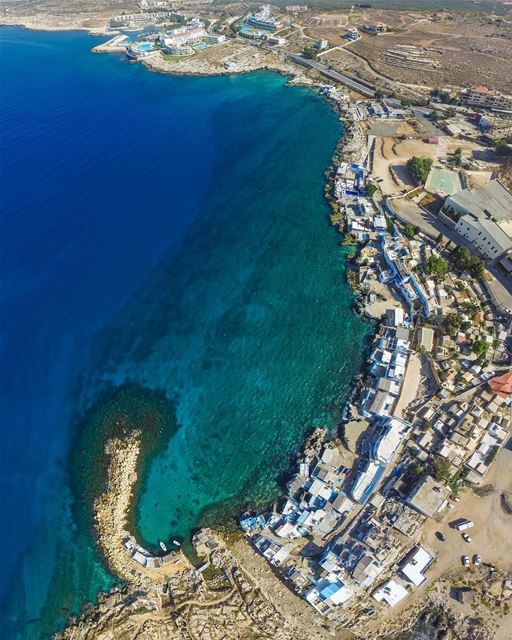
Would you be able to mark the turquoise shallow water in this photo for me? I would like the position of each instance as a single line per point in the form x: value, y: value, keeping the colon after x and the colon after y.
x: 170, y: 232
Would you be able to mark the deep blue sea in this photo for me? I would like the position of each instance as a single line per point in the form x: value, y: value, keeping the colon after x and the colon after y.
x: 171, y: 232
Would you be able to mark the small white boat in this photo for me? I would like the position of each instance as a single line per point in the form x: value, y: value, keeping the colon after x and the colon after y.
x: 162, y: 545
x: 177, y: 543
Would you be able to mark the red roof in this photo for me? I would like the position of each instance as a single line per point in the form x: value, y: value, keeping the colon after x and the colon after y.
x: 502, y: 385
x: 484, y: 90
x: 432, y: 140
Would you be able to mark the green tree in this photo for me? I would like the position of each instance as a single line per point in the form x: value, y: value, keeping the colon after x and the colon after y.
x: 371, y: 189
x: 453, y: 322
x: 465, y: 261
x: 420, y: 168
x: 441, y: 469
x: 411, y: 230
x: 426, y: 426
x: 503, y: 149
x: 310, y: 52
x: 437, y: 266
x: 480, y: 348
x: 439, y: 238
x: 476, y: 268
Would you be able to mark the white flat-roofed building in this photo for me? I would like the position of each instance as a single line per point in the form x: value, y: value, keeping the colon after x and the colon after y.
x: 366, y: 481
x: 331, y: 563
x: 327, y: 594
x: 367, y: 570
x: 415, y: 564
x: 183, y: 36
x: 489, y: 239
x: 275, y: 553
x: 487, y: 98
x: 179, y: 50
x: 381, y: 404
x: 395, y: 316
x: 263, y: 19
x: 214, y: 38
x: 320, y: 489
x: 428, y: 496
x: 287, y: 530
x: 426, y: 339
x: 140, y: 558
x: 280, y: 42
x: 390, y: 433
x: 391, y: 592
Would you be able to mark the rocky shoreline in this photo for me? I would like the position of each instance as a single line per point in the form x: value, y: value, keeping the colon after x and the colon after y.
x: 242, y: 60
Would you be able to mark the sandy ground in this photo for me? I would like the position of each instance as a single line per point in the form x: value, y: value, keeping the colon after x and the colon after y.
x: 410, y: 386
x: 391, y: 155
x: 491, y: 535
x: 465, y: 48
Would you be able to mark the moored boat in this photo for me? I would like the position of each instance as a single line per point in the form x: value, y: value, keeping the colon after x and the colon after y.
x: 162, y: 545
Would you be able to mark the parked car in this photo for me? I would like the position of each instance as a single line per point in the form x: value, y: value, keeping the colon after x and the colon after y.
x: 465, y: 561
x: 466, y: 537
x: 440, y: 536
x: 455, y: 498
x: 477, y: 560
x: 449, y: 505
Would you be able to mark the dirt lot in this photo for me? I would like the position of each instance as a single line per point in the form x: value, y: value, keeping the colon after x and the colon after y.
x: 491, y: 533
x: 465, y: 49
x: 391, y: 155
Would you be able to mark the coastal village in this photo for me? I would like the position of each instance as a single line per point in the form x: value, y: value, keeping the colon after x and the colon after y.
x: 367, y: 515
x: 408, y: 504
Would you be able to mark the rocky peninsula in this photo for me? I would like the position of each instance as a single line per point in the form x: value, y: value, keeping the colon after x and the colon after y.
x: 111, y: 511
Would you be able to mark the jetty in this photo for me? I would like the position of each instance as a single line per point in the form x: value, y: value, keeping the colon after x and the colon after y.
x: 114, y: 45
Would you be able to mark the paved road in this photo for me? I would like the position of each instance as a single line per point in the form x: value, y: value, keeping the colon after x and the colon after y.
x: 429, y: 224
x: 349, y: 82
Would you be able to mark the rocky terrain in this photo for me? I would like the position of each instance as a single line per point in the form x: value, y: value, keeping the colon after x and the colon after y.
x: 232, y: 596
x: 233, y: 57
x: 223, y: 602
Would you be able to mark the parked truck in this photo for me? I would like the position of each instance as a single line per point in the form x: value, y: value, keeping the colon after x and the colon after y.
x: 464, y: 524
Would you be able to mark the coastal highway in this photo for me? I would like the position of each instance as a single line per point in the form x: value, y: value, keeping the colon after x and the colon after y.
x: 349, y: 82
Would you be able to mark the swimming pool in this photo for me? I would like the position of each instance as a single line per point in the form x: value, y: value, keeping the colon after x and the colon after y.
x: 144, y: 46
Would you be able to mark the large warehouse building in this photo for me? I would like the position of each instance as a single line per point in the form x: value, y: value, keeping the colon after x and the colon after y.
x: 485, y: 218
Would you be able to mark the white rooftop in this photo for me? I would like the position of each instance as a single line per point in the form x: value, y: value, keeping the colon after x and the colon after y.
x: 387, y: 444
x: 391, y: 592
x: 417, y: 563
